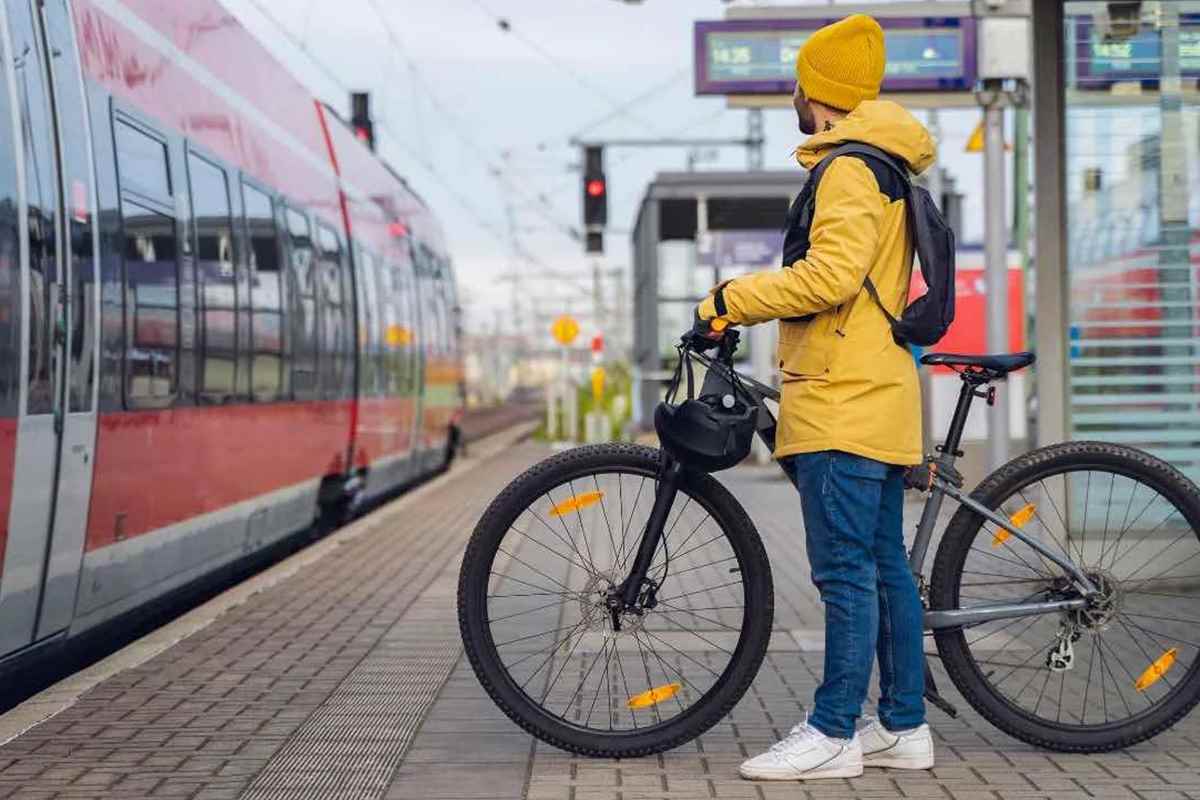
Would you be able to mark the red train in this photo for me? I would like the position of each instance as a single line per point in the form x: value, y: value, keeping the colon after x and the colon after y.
x: 221, y: 315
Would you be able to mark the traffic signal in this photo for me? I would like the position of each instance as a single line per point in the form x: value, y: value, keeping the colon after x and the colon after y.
x: 360, y: 118
x: 595, y: 188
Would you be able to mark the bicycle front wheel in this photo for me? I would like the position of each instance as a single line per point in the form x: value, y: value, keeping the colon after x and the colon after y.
x: 549, y: 649
x: 1120, y: 670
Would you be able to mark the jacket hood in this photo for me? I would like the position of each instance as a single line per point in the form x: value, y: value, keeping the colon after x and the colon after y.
x: 881, y: 123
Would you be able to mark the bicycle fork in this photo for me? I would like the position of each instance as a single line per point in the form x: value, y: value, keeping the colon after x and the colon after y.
x: 630, y: 594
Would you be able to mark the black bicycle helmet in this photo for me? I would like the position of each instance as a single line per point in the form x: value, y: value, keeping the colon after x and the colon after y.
x: 708, y: 433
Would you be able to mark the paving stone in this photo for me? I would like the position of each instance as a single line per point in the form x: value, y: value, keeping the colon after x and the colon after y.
x: 206, y: 716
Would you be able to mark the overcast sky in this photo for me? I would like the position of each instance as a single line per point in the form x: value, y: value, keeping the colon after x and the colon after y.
x: 478, y: 118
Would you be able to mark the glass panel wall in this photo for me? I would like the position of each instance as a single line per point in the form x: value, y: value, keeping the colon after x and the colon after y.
x: 1133, y: 226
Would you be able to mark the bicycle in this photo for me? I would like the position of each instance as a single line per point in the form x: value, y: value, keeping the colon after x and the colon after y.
x: 1034, y: 611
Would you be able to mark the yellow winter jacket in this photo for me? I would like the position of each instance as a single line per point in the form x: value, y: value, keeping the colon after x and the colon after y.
x: 846, y: 384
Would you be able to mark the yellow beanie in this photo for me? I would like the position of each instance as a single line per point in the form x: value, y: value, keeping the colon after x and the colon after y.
x: 842, y: 64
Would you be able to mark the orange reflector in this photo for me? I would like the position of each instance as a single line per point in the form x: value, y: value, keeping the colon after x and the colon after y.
x: 654, y: 696
x: 1155, y: 670
x: 576, y: 503
x: 719, y: 324
x: 1019, y: 519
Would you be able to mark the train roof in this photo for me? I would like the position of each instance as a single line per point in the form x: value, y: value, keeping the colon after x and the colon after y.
x: 195, y: 68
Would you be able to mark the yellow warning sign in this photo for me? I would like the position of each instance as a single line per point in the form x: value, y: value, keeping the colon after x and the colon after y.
x: 565, y: 329
x: 975, y: 142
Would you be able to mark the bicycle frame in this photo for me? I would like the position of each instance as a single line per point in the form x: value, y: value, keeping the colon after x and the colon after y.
x: 948, y: 453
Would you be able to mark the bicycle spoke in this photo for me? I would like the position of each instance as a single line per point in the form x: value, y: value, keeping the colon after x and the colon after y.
x: 1111, y: 676
x: 523, y: 613
x: 646, y: 668
x: 533, y: 569
x: 625, y: 525
x: 709, y: 620
x: 550, y: 549
x: 651, y: 635
x: 542, y: 589
x: 611, y: 541
x: 625, y: 683
x: 582, y: 529
x: 700, y: 591
x: 1088, y: 685
x: 582, y: 682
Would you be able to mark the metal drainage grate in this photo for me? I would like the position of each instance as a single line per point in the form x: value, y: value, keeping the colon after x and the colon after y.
x: 350, y: 747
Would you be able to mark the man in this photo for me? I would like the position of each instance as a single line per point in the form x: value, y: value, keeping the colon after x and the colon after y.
x: 850, y: 417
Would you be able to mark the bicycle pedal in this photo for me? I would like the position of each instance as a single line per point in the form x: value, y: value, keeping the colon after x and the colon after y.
x: 931, y: 694
x: 942, y: 703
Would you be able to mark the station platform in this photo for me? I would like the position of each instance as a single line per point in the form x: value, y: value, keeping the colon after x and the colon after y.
x: 338, y: 673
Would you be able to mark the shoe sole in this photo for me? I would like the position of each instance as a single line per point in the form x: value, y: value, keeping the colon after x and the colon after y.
x: 899, y: 763
x: 817, y: 774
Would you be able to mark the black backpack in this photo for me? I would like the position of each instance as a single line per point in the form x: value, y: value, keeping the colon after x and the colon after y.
x: 926, y: 319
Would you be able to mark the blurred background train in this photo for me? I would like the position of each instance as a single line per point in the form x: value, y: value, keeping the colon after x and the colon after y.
x: 222, y: 318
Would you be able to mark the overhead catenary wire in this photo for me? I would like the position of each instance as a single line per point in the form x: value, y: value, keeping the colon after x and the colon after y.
x: 396, y: 140
x: 619, y: 107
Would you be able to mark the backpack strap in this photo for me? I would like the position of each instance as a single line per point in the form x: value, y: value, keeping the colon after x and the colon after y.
x: 871, y: 156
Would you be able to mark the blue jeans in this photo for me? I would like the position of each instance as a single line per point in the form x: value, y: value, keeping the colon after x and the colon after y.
x: 853, y: 523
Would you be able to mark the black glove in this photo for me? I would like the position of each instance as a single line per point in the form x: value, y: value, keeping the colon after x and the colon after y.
x: 921, y: 476
x: 702, y: 336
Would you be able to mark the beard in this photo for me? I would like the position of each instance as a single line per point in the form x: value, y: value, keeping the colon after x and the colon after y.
x: 808, y: 122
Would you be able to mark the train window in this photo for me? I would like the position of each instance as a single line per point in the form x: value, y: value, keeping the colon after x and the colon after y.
x: 151, y: 307
x: 303, y: 308
x: 141, y: 161
x: 338, y: 341
x: 218, y: 333
x: 44, y: 285
x: 369, y: 333
x: 10, y: 268
x: 404, y: 356
x: 266, y: 296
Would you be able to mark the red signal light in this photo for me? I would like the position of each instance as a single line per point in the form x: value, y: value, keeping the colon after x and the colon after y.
x: 362, y: 133
x: 397, y: 229
x: 595, y: 187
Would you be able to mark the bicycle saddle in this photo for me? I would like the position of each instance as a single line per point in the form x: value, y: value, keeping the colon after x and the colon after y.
x: 1001, y: 363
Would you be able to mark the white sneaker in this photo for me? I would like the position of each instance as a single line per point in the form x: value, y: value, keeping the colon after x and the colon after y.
x: 806, y: 754
x: 911, y: 749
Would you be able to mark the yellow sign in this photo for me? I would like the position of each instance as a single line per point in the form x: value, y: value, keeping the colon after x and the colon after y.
x: 975, y: 142
x: 565, y: 329
x: 397, y: 336
x: 598, y: 383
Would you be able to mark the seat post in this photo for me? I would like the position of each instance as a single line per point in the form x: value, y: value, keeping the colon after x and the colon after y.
x: 949, y: 448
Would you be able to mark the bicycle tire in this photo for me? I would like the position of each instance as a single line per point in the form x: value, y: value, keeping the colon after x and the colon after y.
x: 946, y: 577
x: 522, y: 709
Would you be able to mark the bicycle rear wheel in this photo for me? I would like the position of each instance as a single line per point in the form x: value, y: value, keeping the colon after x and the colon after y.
x: 544, y: 644
x: 1104, y: 677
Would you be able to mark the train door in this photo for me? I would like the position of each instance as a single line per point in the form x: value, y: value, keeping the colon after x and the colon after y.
x: 59, y: 313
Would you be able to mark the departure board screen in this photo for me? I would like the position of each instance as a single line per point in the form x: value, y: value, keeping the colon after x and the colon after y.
x: 1103, y: 60
x: 759, y: 56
